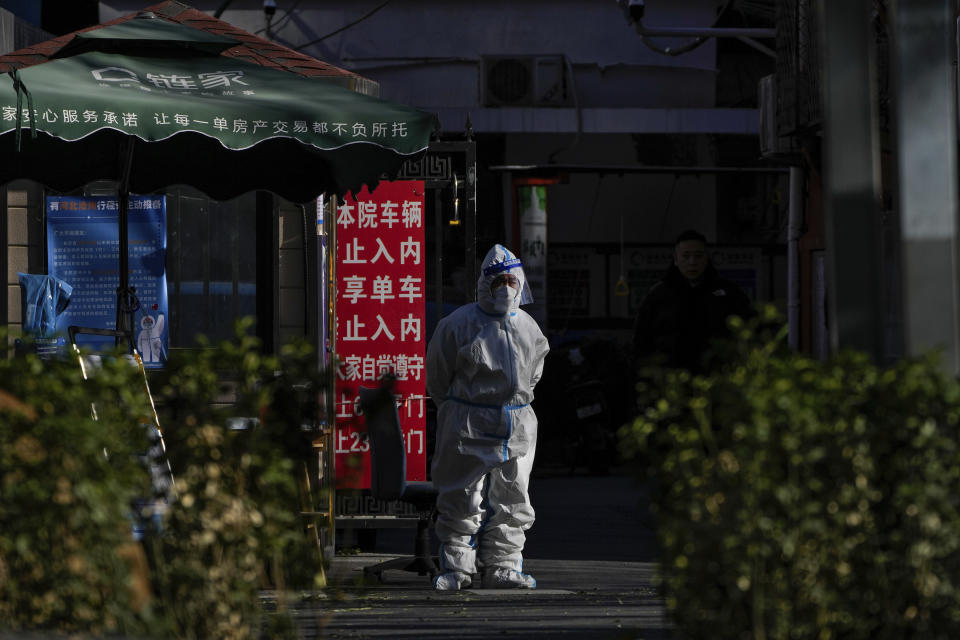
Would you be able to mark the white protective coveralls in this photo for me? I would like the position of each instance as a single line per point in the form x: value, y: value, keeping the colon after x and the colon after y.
x: 482, y: 366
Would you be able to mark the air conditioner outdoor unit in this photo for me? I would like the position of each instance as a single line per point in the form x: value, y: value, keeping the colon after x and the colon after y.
x: 524, y: 81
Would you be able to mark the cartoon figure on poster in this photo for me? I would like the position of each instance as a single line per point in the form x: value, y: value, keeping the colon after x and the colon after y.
x: 149, y: 340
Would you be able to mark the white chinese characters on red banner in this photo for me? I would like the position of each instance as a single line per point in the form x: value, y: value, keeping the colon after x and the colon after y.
x: 380, y: 320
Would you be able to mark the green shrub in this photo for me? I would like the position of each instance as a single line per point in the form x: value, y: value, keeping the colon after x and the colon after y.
x: 66, y: 483
x: 67, y: 560
x: 235, y: 527
x: 796, y: 498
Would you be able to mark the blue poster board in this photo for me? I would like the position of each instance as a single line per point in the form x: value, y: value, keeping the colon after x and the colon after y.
x: 83, y: 250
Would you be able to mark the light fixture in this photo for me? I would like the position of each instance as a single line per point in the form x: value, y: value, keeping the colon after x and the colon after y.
x: 455, y: 220
x: 269, y: 8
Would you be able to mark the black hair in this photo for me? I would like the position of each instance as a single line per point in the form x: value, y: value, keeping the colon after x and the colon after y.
x: 690, y: 234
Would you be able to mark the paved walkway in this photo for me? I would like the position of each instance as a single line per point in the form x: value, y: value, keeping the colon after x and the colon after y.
x: 590, y: 550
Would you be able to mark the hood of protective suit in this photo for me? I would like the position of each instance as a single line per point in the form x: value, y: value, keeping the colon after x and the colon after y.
x: 497, y: 261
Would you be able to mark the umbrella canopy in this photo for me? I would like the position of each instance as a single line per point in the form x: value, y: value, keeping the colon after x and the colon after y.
x: 220, y: 124
x: 145, y: 34
x: 151, y: 102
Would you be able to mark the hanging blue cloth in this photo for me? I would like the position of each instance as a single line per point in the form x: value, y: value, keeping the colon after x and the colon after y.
x: 44, y: 298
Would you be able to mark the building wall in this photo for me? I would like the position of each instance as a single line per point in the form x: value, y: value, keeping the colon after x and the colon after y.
x: 24, y: 215
x: 429, y: 53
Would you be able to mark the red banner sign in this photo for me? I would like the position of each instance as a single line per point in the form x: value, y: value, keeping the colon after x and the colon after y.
x: 381, y: 320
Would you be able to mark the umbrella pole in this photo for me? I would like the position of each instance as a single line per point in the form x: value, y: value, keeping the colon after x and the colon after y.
x: 124, y: 318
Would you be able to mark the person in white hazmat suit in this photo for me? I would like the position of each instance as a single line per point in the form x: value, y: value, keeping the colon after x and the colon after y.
x: 483, y: 362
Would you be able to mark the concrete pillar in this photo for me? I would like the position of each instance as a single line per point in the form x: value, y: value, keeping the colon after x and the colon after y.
x: 852, y: 162
x: 926, y: 141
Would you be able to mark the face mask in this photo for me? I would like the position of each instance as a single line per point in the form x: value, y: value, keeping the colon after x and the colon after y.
x: 503, y: 298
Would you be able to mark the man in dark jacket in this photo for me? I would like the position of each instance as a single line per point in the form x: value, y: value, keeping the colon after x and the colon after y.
x: 687, y: 309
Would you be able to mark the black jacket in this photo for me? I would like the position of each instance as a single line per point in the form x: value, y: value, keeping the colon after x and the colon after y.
x: 677, y: 322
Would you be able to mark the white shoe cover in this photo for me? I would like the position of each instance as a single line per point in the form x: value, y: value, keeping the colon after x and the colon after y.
x: 452, y: 581
x: 501, y: 578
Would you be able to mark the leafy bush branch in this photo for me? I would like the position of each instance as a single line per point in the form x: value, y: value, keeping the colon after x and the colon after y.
x: 67, y: 482
x: 804, y: 499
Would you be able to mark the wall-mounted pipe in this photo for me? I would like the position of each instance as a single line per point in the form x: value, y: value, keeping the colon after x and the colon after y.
x: 704, y: 32
x: 794, y: 225
x: 553, y: 169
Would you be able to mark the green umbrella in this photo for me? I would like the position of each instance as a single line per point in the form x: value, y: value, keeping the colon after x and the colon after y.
x: 220, y: 124
x: 151, y: 103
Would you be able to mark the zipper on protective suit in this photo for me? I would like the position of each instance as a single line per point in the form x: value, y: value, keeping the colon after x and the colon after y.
x: 513, y: 377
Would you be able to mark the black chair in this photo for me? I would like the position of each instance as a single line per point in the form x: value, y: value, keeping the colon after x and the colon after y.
x: 388, y: 473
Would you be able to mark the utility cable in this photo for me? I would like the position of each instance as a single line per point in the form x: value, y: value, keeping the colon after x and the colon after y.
x: 344, y: 27
x: 222, y: 8
x: 690, y: 46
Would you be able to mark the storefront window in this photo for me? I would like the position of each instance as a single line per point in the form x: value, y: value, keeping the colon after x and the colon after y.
x: 211, y: 264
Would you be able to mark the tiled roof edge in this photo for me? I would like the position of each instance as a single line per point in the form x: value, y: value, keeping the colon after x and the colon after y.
x: 251, y: 46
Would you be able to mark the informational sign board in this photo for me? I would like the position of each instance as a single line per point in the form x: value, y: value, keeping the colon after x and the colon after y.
x: 532, y: 212
x: 83, y: 249
x: 381, y: 319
